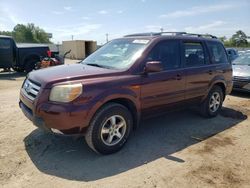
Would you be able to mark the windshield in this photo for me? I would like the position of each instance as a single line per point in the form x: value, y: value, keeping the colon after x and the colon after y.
x: 243, y: 59
x: 117, y: 54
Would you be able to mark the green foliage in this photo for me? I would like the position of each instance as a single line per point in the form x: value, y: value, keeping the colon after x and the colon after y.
x: 239, y: 39
x: 27, y: 33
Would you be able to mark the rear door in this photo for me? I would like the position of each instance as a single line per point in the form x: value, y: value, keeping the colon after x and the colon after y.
x: 6, y: 53
x: 222, y: 65
x: 198, y: 70
x: 160, y: 89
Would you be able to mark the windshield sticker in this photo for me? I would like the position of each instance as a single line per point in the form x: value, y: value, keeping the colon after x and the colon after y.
x: 137, y: 41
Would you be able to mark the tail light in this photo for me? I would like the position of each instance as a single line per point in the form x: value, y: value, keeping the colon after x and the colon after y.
x: 49, y: 53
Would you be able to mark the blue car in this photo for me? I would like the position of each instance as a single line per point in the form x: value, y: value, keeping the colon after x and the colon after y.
x: 232, y: 53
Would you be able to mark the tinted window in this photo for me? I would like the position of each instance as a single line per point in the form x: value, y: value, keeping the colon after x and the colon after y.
x: 4, y: 44
x: 194, y: 54
x: 217, y: 52
x: 168, y: 53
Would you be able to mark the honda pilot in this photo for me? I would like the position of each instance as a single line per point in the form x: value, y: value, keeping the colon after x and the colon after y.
x: 105, y: 96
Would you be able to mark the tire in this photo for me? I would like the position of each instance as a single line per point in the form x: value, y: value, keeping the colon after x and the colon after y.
x: 211, y: 106
x: 30, y: 65
x: 17, y: 69
x: 101, y: 132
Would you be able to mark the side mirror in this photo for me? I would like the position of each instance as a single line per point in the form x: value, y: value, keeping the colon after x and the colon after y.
x: 153, y: 66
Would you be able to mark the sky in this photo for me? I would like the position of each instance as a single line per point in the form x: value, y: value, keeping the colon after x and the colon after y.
x: 93, y: 19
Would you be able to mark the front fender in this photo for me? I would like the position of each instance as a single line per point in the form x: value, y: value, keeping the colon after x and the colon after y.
x: 112, y: 94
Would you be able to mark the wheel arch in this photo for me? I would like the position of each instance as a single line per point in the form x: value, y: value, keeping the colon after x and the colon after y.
x: 128, y: 103
x: 221, y: 84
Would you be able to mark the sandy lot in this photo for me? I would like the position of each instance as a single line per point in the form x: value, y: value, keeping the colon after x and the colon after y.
x: 180, y: 149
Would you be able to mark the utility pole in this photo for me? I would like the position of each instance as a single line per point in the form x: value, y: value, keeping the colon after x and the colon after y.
x: 107, y: 37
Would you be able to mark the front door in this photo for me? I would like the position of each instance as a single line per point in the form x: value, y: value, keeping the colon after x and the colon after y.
x: 6, y: 53
x: 161, y: 89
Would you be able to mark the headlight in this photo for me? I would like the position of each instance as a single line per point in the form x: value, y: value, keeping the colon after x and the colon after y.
x: 65, y: 93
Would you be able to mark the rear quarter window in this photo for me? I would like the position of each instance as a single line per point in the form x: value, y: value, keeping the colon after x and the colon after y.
x: 217, y: 52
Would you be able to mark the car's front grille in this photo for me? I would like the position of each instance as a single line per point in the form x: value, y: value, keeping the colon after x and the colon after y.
x: 30, y: 89
x: 240, y: 79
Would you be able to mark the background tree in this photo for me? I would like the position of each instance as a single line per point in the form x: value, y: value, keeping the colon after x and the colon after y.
x: 28, y: 33
x: 239, y: 39
x: 223, y: 39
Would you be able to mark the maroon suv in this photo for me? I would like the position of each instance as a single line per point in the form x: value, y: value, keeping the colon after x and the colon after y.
x: 106, y: 95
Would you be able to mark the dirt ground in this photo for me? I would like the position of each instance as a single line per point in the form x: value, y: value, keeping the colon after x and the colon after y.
x: 180, y: 149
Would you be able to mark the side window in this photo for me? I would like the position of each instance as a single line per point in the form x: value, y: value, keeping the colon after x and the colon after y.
x: 168, y: 53
x: 217, y: 52
x: 5, y: 44
x: 194, y: 54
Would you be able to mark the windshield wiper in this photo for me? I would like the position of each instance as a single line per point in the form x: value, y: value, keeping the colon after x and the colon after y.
x: 98, y: 65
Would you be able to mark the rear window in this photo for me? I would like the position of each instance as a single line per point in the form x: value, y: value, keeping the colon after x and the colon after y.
x: 217, y: 52
x: 4, y: 44
x: 194, y: 54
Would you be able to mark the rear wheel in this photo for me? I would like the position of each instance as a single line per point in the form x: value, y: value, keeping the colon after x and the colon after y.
x: 109, y: 129
x: 213, y: 103
x: 30, y: 65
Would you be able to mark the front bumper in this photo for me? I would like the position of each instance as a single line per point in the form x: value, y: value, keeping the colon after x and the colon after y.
x: 36, y: 120
x: 241, y: 84
x: 64, y: 119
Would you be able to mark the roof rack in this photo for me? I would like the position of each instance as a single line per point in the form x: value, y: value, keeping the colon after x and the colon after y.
x: 170, y: 33
x: 142, y: 34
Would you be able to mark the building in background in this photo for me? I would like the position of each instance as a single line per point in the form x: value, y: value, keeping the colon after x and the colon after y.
x: 80, y: 49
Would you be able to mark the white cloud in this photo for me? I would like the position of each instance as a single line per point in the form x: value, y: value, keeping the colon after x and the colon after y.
x: 68, y: 8
x: 198, y: 10
x: 8, y: 19
x: 102, y: 12
x: 120, y: 11
x: 57, y: 12
x: 206, y: 28
x: 78, y: 30
x: 86, y: 18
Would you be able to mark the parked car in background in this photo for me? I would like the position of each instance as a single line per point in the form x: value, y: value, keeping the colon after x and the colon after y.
x: 232, y: 53
x: 20, y: 57
x: 128, y: 79
x: 241, y: 72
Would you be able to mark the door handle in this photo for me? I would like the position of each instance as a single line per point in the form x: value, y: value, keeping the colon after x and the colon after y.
x: 178, y: 77
x: 210, y: 72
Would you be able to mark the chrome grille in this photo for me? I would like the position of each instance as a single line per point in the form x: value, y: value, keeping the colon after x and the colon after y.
x: 30, y: 89
x: 240, y: 79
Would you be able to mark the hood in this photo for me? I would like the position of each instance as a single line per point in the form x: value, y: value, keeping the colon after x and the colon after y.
x: 241, y: 70
x: 67, y: 73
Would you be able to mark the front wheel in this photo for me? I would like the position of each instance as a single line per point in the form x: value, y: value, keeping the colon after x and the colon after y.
x: 213, y: 103
x: 109, y: 129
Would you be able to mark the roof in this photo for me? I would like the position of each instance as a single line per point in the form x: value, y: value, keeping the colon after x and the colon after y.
x: 5, y: 36
x: 173, y: 35
x: 28, y: 45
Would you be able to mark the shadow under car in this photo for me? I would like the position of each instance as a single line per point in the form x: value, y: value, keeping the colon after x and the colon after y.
x: 155, y: 138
